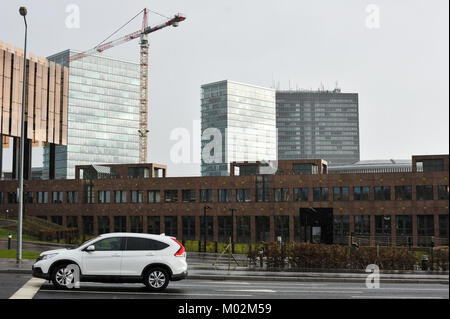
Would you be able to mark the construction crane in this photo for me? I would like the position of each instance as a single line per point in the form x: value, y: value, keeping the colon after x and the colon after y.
x: 143, y: 99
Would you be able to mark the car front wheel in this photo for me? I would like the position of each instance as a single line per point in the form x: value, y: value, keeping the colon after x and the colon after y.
x: 156, y: 279
x: 62, y: 276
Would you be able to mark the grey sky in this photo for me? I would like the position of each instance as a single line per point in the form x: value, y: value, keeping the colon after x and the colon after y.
x: 400, y: 70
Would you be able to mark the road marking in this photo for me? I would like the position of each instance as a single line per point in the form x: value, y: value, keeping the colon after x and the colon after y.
x: 142, y: 293
x: 249, y: 290
x: 322, y: 291
x: 28, y: 290
x: 397, y: 297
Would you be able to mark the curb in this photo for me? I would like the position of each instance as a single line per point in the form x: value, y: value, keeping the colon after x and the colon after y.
x: 281, y: 278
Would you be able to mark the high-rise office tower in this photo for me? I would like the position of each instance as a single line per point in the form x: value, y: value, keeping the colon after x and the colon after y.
x: 103, y: 114
x: 318, y: 124
x: 238, y: 124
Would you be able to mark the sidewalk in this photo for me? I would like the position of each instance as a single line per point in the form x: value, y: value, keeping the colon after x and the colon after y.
x: 207, y: 272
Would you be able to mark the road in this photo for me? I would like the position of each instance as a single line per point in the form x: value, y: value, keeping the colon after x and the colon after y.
x: 206, y: 289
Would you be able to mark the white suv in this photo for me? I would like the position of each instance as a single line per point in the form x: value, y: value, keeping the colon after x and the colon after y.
x: 116, y: 257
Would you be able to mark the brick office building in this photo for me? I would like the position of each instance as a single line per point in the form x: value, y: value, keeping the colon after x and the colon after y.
x: 301, y: 201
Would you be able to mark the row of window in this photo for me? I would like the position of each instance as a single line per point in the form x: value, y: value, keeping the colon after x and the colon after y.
x: 341, y: 227
x: 360, y: 193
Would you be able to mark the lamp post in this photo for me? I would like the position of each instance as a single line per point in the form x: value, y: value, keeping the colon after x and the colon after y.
x: 204, y: 227
x: 6, y: 215
x: 232, y: 228
x: 23, y: 13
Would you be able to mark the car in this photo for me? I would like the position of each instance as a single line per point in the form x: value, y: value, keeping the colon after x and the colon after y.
x: 153, y: 260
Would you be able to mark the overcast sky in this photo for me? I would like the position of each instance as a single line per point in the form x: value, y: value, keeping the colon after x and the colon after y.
x: 400, y: 69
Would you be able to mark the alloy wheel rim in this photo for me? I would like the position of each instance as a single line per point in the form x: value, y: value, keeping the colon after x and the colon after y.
x: 157, y: 279
x: 64, y: 276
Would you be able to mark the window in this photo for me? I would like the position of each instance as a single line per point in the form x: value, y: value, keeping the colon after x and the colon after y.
x: 120, y: 224
x: 425, y: 229
x: 103, y: 224
x: 443, y: 229
x: 262, y: 224
x: 403, y: 193
x: 72, y: 197
x: 137, y: 196
x: 242, y: 229
x: 136, y: 224
x: 281, y: 194
x: 341, y: 229
x: 243, y: 195
x: 153, y: 225
x: 2, y: 198
x: 424, y: 192
x: 443, y: 191
x: 109, y: 244
x: 12, y: 198
x: 171, y: 196
x: 225, y: 227
x: 188, y: 195
x: 57, y: 197
x: 72, y: 222
x: 138, y: 172
x: 188, y: 227
x: 209, y: 228
x: 383, y: 230
x: 154, y: 196
x: 262, y: 188
x: 28, y: 197
x: 432, y: 165
x: 362, y: 225
x: 320, y: 194
x: 403, y: 225
x: 89, y: 194
x: 281, y: 224
x: 301, y: 194
x: 120, y: 197
x: 304, y: 168
x: 171, y: 226
x: 88, y: 225
x: 104, y: 197
x: 42, y: 197
x: 225, y: 195
x: 206, y: 195
x: 57, y: 220
x: 382, y: 193
x: 361, y: 193
x: 340, y: 193
x: 134, y: 243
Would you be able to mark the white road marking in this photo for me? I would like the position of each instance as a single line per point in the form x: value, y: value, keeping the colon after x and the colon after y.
x: 28, y: 290
x: 322, y: 291
x: 397, y: 297
x: 142, y: 293
x: 248, y: 290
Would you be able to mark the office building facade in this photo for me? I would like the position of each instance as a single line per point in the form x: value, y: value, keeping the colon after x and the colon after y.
x: 103, y: 114
x: 302, y: 202
x: 239, y: 119
x: 318, y: 124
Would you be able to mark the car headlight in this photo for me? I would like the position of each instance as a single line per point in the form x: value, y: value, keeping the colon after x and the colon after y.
x: 44, y: 257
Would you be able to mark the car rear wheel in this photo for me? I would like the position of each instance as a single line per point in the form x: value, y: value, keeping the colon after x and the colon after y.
x: 156, y: 279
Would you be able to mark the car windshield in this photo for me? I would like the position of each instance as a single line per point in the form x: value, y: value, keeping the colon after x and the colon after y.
x: 86, y: 242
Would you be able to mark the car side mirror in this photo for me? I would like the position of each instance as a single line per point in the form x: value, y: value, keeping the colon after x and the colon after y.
x: 90, y: 248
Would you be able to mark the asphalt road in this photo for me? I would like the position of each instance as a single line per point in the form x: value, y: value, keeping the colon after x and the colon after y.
x: 10, y: 283
x: 206, y: 289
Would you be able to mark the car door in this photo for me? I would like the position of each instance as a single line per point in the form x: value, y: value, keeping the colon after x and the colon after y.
x: 106, y: 259
x: 139, y: 252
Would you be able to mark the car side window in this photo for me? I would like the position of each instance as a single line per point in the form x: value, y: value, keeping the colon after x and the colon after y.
x: 109, y: 244
x: 134, y: 243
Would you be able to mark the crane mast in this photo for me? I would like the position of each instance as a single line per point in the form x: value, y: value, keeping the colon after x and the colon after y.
x: 143, y: 87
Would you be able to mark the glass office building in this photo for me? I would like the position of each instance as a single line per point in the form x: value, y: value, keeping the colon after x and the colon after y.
x: 318, y: 124
x: 240, y: 120
x: 103, y: 114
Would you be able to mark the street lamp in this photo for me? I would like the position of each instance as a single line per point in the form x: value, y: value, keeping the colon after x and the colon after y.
x: 6, y: 215
x: 204, y: 227
x: 232, y: 228
x: 23, y: 13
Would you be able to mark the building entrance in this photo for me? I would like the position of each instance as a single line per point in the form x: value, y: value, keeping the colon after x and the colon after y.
x: 316, y: 225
